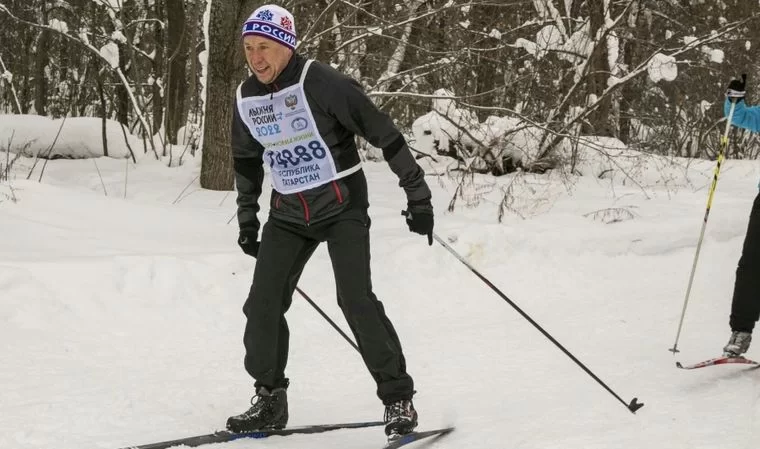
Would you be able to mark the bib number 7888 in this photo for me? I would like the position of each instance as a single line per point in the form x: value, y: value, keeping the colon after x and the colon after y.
x: 287, y: 158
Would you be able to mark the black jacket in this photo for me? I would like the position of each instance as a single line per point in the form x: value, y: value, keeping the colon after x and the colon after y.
x: 341, y: 110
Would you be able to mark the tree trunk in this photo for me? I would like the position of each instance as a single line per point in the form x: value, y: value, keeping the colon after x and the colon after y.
x: 599, y: 72
x: 176, y: 84
x: 225, y: 72
x: 158, y: 69
x: 629, y: 91
x: 104, y: 113
x: 41, y: 59
x: 191, y: 22
x: 122, y: 95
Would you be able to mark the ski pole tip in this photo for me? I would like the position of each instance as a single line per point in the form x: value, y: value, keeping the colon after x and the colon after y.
x: 635, y: 405
x: 674, y: 350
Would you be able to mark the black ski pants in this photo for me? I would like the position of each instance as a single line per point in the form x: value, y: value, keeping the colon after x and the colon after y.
x: 745, y: 306
x: 285, y: 249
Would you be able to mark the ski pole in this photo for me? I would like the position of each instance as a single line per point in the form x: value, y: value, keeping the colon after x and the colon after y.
x: 632, y: 406
x: 324, y: 315
x: 721, y: 154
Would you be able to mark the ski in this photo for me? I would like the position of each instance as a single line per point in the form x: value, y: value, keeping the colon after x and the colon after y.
x: 223, y: 436
x: 413, y: 437
x: 718, y: 361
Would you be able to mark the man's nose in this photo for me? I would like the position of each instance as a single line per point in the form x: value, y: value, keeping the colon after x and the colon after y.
x: 255, y: 56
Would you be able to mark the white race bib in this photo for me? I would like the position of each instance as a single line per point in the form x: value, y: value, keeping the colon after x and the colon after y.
x: 293, y: 148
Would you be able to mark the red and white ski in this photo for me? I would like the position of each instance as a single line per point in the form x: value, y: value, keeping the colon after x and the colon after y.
x: 718, y: 361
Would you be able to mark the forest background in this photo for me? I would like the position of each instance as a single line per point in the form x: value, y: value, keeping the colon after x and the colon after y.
x: 650, y: 74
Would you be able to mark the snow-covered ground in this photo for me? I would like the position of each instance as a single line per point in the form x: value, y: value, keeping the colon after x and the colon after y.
x: 121, y: 321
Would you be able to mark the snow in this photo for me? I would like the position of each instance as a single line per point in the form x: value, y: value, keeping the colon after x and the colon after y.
x: 713, y: 55
x: 58, y: 25
x: 550, y: 38
x: 613, y: 80
x: 704, y: 105
x: 121, y: 317
x: 527, y: 45
x: 110, y: 52
x: 547, y: 38
x: 662, y: 67
x: 495, y: 138
x: 716, y: 56
x: 613, y: 52
x: 118, y: 36
x: 79, y: 137
x: 112, y: 4
x: 83, y: 36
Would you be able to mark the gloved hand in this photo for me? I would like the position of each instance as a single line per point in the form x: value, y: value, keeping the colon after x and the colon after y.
x: 419, y: 218
x: 249, y: 244
x: 737, y: 89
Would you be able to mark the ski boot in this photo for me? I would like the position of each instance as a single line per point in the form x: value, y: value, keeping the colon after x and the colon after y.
x: 738, y: 344
x: 269, y: 410
x: 400, y: 419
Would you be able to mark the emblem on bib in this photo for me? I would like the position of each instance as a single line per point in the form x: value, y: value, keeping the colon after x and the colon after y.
x: 291, y: 101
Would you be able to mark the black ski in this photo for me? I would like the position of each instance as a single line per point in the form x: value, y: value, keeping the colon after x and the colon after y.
x: 223, y: 436
x: 409, y: 438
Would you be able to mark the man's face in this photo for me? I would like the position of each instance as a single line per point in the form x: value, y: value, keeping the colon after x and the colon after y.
x: 265, y: 57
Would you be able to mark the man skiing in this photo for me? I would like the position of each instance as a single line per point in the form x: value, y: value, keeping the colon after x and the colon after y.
x: 300, y: 117
x: 745, y: 306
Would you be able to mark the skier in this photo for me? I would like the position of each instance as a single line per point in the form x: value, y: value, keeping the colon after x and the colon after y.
x: 300, y: 118
x: 745, y: 306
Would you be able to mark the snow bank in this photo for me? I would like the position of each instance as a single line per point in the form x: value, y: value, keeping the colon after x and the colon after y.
x: 80, y: 137
x: 450, y: 130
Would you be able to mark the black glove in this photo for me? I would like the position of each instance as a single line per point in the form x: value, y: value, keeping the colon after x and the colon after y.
x: 248, y: 244
x: 737, y: 89
x: 419, y: 218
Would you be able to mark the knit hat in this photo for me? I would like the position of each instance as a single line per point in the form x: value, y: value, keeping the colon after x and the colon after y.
x: 273, y: 22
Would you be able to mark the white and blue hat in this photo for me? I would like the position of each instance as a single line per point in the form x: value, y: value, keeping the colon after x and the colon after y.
x: 273, y: 22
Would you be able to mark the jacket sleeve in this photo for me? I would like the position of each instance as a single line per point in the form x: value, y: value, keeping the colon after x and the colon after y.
x: 744, y: 116
x: 249, y: 174
x: 350, y: 106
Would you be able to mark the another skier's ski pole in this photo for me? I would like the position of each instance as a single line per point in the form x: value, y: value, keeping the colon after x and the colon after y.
x: 632, y: 406
x: 721, y: 154
x: 324, y: 315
